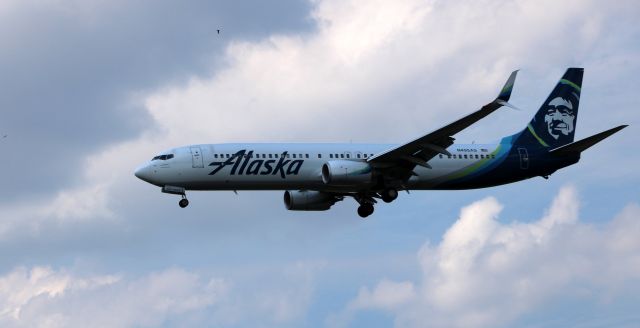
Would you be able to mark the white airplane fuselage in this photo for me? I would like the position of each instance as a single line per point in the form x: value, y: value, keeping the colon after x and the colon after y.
x: 262, y: 166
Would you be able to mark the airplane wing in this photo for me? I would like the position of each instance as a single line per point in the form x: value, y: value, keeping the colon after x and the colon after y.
x: 419, y: 151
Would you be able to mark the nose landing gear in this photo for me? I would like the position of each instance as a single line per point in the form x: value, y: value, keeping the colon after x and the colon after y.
x: 184, y: 202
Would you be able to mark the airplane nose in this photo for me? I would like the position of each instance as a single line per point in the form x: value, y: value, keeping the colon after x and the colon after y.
x: 143, y: 173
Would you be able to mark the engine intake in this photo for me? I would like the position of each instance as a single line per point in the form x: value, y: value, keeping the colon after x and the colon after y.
x: 308, y: 200
x: 346, y: 173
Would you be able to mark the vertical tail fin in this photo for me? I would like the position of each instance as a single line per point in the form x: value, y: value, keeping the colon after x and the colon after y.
x: 555, y: 122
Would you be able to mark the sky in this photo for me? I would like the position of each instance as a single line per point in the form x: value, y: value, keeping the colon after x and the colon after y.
x: 91, y: 89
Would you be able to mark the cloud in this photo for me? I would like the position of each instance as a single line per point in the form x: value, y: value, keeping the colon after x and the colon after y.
x: 364, y: 67
x: 73, y: 71
x: 487, y: 273
x: 45, y: 297
x: 151, y: 77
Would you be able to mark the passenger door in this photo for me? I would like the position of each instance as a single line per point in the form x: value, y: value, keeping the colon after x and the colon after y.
x: 524, y: 158
x: 196, y: 157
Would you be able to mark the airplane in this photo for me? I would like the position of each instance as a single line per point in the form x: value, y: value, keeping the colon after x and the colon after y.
x: 314, y: 176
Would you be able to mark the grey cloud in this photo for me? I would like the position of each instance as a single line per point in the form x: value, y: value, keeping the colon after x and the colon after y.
x: 100, y: 64
x: 70, y: 76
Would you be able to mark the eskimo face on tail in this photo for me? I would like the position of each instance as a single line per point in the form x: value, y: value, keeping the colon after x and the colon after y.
x: 554, y: 123
x: 560, y: 117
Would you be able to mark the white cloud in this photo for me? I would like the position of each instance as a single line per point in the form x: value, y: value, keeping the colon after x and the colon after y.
x: 486, y: 273
x: 367, y: 66
x: 361, y: 58
x: 67, y: 207
x: 387, y: 295
x: 44, y: 297
x: 410, y: 65
x: 21, y: 286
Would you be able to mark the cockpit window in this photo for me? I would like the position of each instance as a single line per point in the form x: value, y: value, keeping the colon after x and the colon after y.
x: 162, y: 157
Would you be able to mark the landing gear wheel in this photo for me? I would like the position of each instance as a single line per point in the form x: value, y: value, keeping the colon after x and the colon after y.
x: 389, y: 195
x: 365, y: 210
x: 183, y: 203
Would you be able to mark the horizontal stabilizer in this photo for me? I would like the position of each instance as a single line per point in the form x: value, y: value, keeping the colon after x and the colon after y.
x: 581, y: 145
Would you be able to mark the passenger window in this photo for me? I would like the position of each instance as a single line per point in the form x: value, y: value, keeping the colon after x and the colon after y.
x: 476, y: 156
x: 330, y: 155
x: 440, y: 156
x: 306, y: 155
x: 341, y: 155
x: 358, y: 155
x: 294, y: 155
x: 275, y: 155
x: 348, y: 156
x: 215, y: 155
x: 493, y: 156
x: 319, y: 156
x: 270, y: 155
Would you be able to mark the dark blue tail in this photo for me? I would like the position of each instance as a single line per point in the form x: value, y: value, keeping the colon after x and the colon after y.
x: 555, y: 122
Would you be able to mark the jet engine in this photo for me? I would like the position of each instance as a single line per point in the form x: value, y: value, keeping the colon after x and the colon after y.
x: 308, y: 200
x: 346, y: 173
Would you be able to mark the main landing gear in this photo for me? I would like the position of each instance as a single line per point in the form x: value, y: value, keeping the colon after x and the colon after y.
x: 184, y: 202
x: 367, y: 200
x: 389, y: 195
x: 366, y: 205
x: 365, y: 210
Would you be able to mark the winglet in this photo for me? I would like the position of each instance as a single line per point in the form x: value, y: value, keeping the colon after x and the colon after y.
x: 505, y: 93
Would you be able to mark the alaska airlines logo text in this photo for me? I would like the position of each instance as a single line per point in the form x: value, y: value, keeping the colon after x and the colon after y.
x: 246, y: 165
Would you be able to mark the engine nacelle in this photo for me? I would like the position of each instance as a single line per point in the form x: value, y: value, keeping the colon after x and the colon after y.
x: 308, y: 200
x: 346, y: 173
